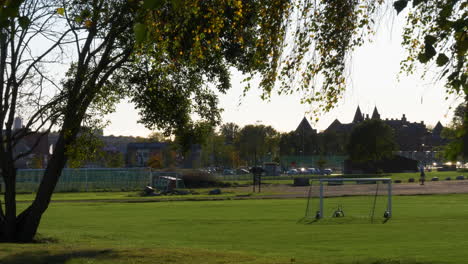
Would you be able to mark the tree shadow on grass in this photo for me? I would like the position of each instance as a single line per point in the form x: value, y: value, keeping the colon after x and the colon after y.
x: 47, y: 257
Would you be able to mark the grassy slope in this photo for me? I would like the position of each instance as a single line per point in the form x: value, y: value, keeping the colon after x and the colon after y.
x: 425, y: 229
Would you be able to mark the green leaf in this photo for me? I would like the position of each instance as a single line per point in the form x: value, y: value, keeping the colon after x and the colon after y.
x: 444, y: 24
x: 85, y: 13
x: 461, y: 45
x: 177, y: 4
x: 430, y: 40
x: 24, y: 22
x: 10, y: 12
x: 417, y: 2
x: 460, y: 24
x: 446, y: 10
x: 429, y: 51
x: 400, y: 5
x: 61, y: 11
x: 140, y: 32
x: 153, y: 4
x: 442, y: 59
x: 78, y: 19
x: 3, y: 23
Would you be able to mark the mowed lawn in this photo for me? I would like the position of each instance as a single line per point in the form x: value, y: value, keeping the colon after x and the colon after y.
x: 425, y: 229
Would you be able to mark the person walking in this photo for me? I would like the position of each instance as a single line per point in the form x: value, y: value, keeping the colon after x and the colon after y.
x: 422, y: 176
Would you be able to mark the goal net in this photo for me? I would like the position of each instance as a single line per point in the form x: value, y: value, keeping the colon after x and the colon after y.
x: 350, y: 198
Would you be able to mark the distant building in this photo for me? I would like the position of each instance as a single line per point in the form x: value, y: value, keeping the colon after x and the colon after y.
x: 192, y: 159
x: 304, y: 128
x: 138, y: 154
x: 17, y: 123
x: 410, y: 136
x: 32, y: 147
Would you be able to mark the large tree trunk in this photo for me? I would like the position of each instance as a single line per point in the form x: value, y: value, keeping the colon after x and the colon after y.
x: 94, y: 67
x: 23, y: 228
x: 9, y: 221
x: 28, y: 221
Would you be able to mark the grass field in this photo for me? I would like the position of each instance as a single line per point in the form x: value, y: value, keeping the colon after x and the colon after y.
x: 200, y: 194
x: 425, y: 229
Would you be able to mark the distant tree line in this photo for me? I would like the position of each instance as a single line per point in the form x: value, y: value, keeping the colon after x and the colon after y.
x: 232, y: 146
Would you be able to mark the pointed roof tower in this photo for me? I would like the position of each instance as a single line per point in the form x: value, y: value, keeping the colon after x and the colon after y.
x: 375, y: 113
x: 437, y: 129
x: 358, y: 117
x: 304, y: 127
x: 334, y: 126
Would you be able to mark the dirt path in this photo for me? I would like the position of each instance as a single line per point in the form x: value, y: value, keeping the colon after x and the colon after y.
x: 441, y: 187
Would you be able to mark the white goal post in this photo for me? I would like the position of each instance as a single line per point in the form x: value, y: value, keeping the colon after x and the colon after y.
x: 388, y: 181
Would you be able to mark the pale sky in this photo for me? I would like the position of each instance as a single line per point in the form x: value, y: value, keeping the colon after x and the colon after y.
x: 374, y: 72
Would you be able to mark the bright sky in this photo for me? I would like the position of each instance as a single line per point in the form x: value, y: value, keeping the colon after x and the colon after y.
x: 374, y: 73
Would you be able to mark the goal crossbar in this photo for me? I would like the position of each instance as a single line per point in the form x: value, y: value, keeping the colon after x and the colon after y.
x: 388, y: 181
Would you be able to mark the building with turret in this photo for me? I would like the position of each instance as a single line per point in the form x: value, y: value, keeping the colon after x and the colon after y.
x: 410, y: 136
x: 304, y: 128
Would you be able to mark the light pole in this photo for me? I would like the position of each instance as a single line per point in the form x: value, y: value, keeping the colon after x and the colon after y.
x: 302, y: 157
x: 424, y: 154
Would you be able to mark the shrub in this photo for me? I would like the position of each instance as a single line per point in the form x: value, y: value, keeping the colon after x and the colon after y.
x: 197, y: 178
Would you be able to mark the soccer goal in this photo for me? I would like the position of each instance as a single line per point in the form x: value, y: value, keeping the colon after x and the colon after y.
x: 364, y: 198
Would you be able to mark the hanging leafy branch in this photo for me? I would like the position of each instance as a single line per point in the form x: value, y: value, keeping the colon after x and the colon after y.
x: 436, y: 34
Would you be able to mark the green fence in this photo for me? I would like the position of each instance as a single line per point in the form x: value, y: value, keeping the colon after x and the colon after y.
x: 87, y: 179
x: 335, y: 162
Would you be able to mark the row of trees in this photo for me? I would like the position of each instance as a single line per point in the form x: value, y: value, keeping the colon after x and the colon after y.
x: 233, y: 146
x: 371, y: 140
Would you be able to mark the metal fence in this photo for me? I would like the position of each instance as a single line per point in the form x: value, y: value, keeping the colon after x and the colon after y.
x: 248, y: 177
x: 87, y: 179
x: 335, y: 162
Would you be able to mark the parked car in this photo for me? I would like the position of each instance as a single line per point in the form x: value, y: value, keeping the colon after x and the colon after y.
x: 292, y: 172
x: 327, y: 171
x: 228, y: 172
x: 312, y: 171
x: 242, y: 171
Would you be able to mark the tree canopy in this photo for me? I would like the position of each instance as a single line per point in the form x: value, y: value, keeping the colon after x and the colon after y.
x: 257, y: 143
x: 371, y: 140
x: 437, y: 32
x: 456, y: 149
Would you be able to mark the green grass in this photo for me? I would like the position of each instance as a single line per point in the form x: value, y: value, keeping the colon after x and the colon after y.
x: 201, y: 194
x: 425, y: 229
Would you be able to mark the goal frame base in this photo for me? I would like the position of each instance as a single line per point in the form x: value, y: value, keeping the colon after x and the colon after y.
x: 388, y: 181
